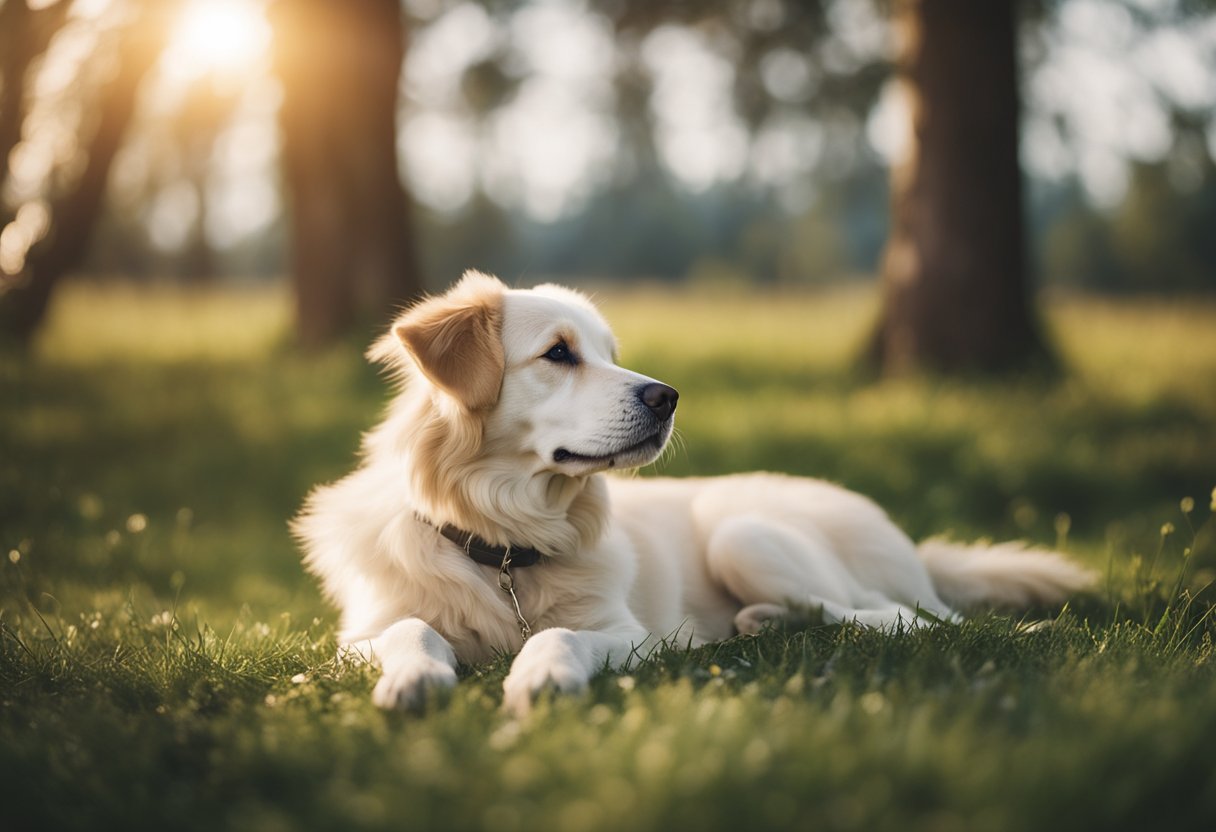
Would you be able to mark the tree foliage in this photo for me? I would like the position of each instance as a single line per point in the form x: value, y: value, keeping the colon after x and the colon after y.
x: 810, y: 68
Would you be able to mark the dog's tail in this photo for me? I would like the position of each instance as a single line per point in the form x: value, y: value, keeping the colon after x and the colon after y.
x: 1006, y: 575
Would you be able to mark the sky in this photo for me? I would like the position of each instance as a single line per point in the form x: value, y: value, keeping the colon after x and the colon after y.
x: 547, y: 151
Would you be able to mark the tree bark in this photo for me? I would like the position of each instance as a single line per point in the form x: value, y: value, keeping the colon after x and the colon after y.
x: 352, y: 252
x: 956, y: 294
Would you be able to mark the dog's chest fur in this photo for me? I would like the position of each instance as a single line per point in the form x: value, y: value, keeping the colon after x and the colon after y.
x: 430, y: 578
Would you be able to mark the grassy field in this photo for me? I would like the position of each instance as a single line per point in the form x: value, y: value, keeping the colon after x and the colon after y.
x: 164, y: 661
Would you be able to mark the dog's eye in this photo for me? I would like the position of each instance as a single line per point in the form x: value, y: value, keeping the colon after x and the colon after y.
x: 559, y: 353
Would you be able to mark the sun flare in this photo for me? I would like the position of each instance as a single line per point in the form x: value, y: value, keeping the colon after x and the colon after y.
x: 218, y: 37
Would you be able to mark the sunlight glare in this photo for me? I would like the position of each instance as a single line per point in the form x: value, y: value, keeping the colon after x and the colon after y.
x: 221, y: 37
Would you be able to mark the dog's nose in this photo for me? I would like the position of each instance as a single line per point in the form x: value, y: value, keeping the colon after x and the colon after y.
x: 660, y: 399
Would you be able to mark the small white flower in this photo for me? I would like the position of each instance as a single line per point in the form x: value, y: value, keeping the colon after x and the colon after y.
x: 136, y: 523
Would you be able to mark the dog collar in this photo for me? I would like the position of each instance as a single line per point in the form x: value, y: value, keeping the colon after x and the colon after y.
x: 503, y: 557
x: 484, y: 552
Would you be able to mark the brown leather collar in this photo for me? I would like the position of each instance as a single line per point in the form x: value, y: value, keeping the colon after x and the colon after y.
x: 486, y: 553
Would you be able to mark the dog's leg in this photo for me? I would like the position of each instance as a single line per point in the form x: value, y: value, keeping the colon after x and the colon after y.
x: 754, y: 617
x: 417, y: 664
x: 767, y: 564
x: 889, y: 617
x: 564, y: 661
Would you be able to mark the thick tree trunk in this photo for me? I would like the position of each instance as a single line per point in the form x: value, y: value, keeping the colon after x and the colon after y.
x: 353, y: 256
x: 956, y: 294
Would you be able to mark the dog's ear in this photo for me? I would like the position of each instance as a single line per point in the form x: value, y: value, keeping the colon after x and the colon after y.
x: 456, y: 339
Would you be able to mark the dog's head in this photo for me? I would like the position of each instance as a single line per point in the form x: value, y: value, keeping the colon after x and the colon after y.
x: 526, y: 382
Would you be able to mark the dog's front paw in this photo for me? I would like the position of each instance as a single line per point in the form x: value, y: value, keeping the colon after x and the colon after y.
x: 524, y: 685
x: 412, y: 685
x: 549, y: 662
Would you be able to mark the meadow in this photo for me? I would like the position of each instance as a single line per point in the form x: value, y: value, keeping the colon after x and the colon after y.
x: 166, y: 662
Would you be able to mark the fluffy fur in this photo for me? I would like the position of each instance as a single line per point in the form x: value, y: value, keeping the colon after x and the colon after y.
x: 510, y: 408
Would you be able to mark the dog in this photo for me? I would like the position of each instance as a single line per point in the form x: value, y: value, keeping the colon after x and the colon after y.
x: 481, y: 520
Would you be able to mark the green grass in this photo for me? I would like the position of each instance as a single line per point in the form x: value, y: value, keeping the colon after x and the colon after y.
x: 164, y: 661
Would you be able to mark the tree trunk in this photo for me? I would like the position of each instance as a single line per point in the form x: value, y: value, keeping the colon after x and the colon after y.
x: 956, y: 294
x: 353, y: 255
x: 74, y: 213
x: 25, y: 34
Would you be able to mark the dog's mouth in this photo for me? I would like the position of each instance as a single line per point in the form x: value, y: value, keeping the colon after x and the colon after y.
x: 639, y: 453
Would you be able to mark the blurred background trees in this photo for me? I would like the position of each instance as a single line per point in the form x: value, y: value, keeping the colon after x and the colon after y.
x: 352, y: 243
x: 45, y: 237
x: 740, y: 142
x: 956, y: 292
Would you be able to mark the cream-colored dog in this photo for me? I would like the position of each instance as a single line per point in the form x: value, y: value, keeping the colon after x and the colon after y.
x: 481, y: 515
